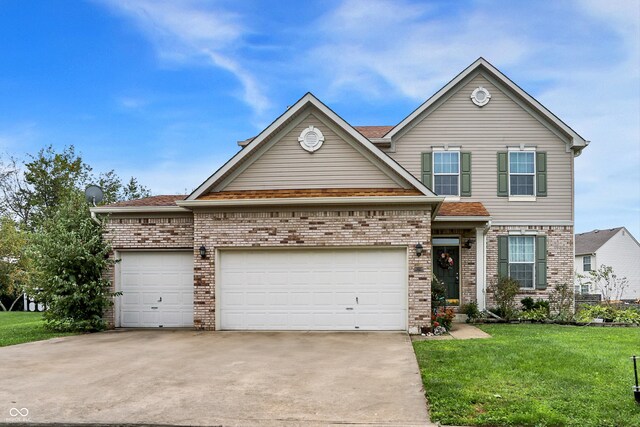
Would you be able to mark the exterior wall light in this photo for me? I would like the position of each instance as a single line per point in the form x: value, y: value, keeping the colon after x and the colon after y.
x: 419, y: 249
x: 203, y: 252
x: 469, y: 242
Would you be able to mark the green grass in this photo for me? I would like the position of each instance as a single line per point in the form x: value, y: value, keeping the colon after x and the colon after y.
x: 21, y: 327
x: 533, y: 375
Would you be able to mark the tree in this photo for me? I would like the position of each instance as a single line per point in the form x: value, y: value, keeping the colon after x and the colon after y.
x: 70, y: 256
x: 14, y: 265
x: 605, y: 280
x: 13, y: 191
x: 116, y: 190
x: 31, y: 191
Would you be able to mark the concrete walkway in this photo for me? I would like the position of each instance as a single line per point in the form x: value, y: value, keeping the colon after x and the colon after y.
x: 459, y: 331
x: 465, y: 331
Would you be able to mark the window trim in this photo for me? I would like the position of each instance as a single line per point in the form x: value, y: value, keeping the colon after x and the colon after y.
x: 433, y: 169
x: 584, y: 258
x: 533, y: 263
x: 522, y: 197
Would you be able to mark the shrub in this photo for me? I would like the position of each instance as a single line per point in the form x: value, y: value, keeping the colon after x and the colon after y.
x: 70, y: 257
x: 561, y: 301
x: 538, y: 314
x: 504, y: 292
x: 438, y: 294
x: 471, y: 310
x: 589, y: 312
x: 629, y: 315
x: 528, y: 304
x: 443, y: 317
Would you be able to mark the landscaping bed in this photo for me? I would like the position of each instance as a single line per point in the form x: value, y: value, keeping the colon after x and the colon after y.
x: 532, y: 375
x: 21, y: 327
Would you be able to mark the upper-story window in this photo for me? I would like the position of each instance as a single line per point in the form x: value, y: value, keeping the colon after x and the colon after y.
x: 522, y: 173
x: 446, y: 173
x: 586, y: 263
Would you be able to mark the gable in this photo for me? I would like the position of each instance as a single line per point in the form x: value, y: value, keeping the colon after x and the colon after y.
x: 286, y: 165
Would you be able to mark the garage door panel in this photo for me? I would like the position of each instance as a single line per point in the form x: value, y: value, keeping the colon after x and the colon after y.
x: 308, y: 289
x: 156, y: 279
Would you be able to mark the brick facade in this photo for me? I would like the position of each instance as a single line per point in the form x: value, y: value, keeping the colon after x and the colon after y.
x: 326, y: 228
x: 149, y: 232
x: 559, y: 257
x: 467, y: 261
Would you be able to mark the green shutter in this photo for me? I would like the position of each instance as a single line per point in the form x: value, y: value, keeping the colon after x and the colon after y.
x: 465, y: 174
x: 541, y: 262
x: 503, y: 175
x: 426, y: 170
x: 541, y: 174
x: 503, y: 256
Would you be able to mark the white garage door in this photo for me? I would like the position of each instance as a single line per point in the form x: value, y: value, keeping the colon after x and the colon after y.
x: 318, y: 289
x: 157, y: 289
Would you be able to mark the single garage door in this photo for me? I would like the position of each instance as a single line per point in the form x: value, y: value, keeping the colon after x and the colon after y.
x: 157, y: 289
x: 313, y: 289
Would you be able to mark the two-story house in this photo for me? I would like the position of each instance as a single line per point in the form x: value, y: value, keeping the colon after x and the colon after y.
x: 319, y: 225
x: 615, y: 248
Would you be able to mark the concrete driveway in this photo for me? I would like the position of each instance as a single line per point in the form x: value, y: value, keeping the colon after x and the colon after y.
x: 214, y: 378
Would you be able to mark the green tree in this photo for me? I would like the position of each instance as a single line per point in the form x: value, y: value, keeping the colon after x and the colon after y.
x: 116, y: 190
x: 14, y: 265
x: 51, y: 178
x: 70, y: 256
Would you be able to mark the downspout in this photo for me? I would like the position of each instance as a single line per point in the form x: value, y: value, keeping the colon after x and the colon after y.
x: 94, y: 217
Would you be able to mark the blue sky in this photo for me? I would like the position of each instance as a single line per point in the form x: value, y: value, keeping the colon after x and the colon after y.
x: 162, y: 90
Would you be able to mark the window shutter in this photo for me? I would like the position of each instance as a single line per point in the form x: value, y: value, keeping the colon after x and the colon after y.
x: 465, y: 174
x: 426, y: 170
x: 503, y: 256
x: 541, y: 262
x: 503, y: 175
x: 541, y: 174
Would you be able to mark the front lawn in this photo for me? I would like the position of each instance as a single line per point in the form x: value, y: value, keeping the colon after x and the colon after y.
x: 20, y: 327
x: 533, y: 375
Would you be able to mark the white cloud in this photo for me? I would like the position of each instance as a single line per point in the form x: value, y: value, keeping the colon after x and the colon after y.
x: 184, y: 31
x: 581, y: 60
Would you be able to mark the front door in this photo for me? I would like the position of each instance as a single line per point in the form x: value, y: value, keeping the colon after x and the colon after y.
x: 446, y: 267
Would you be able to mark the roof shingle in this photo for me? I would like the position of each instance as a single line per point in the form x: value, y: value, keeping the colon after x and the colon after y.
x: 164, y: 200
x: 588, y: 243
x: 463, y: 209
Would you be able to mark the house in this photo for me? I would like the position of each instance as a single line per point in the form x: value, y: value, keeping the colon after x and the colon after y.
x: 319, y: 225
x: 616, y: 248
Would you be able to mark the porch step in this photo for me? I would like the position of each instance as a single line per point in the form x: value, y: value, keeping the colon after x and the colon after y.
x: 460, y: 318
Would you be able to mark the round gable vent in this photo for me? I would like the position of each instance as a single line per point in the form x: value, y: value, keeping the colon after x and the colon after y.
x: 480, y: 96
x: 311, y: 139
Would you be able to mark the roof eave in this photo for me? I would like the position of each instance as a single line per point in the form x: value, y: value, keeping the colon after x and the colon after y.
x: 392, y: 200
x: 453, y: 218
x: 137, y: 209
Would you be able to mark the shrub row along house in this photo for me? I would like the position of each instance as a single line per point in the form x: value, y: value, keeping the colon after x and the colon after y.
x: 319, y: 225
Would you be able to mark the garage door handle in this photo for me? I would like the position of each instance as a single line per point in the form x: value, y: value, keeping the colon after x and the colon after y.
x: 160, y: 300
x: 154, y: 308
x: 349, y: 308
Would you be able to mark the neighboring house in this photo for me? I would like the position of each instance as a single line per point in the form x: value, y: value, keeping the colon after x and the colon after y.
x: 316, y: 224
x: 615, y: 248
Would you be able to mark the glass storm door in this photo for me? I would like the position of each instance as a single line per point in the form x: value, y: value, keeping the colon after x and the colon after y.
x: 446, y: 267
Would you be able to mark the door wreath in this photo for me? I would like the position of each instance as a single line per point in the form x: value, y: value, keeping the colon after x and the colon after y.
x: 445, y: 261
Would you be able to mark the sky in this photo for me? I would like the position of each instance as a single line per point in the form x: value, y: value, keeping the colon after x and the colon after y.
x: 162, y: 90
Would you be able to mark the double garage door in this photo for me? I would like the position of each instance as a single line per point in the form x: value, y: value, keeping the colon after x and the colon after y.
x: 299, y: 289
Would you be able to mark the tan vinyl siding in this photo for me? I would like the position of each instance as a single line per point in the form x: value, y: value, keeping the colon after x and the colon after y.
x: 483, y: 132
x: 337, y: 164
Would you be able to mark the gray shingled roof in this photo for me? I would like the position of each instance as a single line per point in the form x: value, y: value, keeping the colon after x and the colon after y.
x: 588, y: 243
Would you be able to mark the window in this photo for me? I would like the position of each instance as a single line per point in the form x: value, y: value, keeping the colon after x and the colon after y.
x: 522, y: 173
x: 586, y: 263
x: 446, y: 173
x: 522, y: 260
